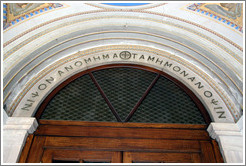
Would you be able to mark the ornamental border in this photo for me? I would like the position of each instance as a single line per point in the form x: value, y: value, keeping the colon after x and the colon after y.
x: 29, y: 15
x: 148, y: 12
x: 195, y: 7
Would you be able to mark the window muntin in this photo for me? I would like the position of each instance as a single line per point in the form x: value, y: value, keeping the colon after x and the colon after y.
x: 123, y: 87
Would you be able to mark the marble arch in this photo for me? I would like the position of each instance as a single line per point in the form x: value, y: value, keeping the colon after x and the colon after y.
x: 207, y: 58
x: 198, y: 81
x: 42, y: 50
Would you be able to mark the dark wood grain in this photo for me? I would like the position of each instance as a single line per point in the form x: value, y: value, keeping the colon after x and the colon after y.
x: 207, y: 152
x: 36, y: 151
x: 122, y: 132
x: 26, y: 149
x: 71, y: 141
x: 218, y: 156
x: 80, y: 156
x: 115, y: 144
x: 127, y: 125
x: 150, y: 157
x: 196, y: 157
x: 47, y: 156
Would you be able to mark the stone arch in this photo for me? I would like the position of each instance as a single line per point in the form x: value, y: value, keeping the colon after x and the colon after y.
x: 195, y: 79
x: 176, y: 47
x: 208, y: 61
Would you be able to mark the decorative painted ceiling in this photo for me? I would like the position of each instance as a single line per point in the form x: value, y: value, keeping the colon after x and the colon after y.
x: 125, y: 4
x: 14, y: 13
x: 230, y: 14
x: 207, y: 38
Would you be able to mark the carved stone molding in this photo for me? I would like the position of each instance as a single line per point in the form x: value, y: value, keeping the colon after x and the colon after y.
x: 230, y: 139
x: 15, y: 132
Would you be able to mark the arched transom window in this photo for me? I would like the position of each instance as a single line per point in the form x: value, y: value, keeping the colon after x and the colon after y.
x: 124, y: 94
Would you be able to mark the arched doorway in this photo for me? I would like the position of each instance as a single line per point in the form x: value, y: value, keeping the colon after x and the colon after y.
x: 121, y: 113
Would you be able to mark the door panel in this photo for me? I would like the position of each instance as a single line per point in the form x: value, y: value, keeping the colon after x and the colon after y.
x: 150, y: 157
x: 106, y: 150
x: 145, y: 133
x: 36, y: 150
x: 120, y: 142
x: 79, y: 156
x: 206, y: 149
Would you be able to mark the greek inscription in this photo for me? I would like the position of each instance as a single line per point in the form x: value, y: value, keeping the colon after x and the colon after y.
x: 176, y: 68
x: 88, y: 60
x: 157, y: 60
x: 42, y: 86
x: 214, y: 102
x: 141, y: 57
x: 125, y: 55
x: 199, y: 85
x: 134, y: 55
x: 221, y: 114
x: 78, y: 63
x: 169, y: 65
x: 60, y: 72
x: 96, y: 58
x: 105, y: 56
x: 192, y: 78
x: 27, y: 106
x: 184, y: 73
x: 208, y: 94
x: 115, y: 55
x: 35, y: 95
x: 68, y: 68
x: 151, y: 58
x: 49, y: 80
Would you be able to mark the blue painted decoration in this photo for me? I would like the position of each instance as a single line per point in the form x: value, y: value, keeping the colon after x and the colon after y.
x: 8, y: 24
x: 195, y: 7
x: 125, y: 4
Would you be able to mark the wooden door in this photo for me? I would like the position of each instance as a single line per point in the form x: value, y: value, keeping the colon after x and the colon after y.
x: 79, y: 156
x: 53, y: 155
x: 120, y: 142
x: 155, y: 157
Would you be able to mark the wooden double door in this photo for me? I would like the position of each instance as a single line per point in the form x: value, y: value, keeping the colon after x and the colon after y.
x: 90, y: 156
x: 92, y: 142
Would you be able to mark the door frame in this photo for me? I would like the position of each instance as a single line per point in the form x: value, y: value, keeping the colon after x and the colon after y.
x: 190, y: 138
x: 128, y: 137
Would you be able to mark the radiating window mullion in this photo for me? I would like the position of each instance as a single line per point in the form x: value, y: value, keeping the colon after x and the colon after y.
x: 105, y: 98
x: 142, y: 98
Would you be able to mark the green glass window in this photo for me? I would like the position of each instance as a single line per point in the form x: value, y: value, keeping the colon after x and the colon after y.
x: 80, y: 100
x: 126, y: 95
